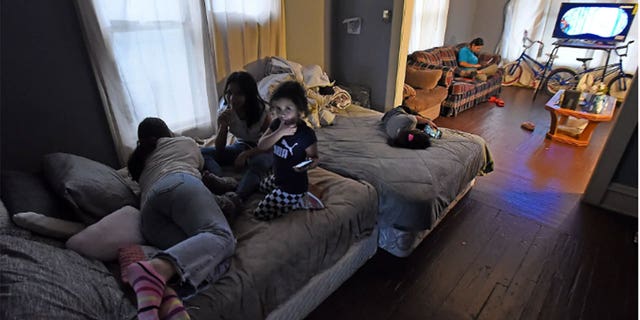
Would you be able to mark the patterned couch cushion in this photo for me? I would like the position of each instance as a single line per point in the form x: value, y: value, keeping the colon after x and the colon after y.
x: 448, y: 56
x: 426, y: 57
x: 460, y: 87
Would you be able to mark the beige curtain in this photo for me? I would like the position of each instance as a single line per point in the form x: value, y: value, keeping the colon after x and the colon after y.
x: 245, y: 31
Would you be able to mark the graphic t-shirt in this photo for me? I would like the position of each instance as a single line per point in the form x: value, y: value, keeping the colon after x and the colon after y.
x: 288, y: 152
x: 466, y: 55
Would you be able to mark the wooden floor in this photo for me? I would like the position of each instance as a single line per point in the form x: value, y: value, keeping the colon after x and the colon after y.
x: 520, y: 245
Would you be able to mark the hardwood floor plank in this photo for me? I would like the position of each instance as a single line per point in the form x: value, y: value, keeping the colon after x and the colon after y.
x: 441, y: 274
x: 509, y: 303
x: 496, y: 264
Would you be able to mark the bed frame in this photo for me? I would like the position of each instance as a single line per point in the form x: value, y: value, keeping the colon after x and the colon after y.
x: 401, y: 243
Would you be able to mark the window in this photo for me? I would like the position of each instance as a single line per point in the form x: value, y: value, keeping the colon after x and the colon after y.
x: 159, y: 55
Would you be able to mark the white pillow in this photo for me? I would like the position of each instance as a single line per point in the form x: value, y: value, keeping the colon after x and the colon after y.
x: 102, y: 239
x: 315, y: 77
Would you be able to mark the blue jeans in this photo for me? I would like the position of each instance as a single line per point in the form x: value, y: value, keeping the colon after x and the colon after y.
x: 213, y: 160
x: 181, y: 217
x: 258, y: 166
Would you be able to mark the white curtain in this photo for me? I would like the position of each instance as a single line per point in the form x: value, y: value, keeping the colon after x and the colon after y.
x: 152, y: 58
x: 538, y: 18
x: 245, y: 31
x: 428, y: 24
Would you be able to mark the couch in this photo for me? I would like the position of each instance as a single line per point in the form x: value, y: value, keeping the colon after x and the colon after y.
x: 463, y: 93
x: 281, y: 269
x: 422, y: 91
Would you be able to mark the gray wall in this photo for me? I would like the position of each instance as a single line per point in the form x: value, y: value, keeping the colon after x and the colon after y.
x: 363, y: 58
x: 459, y: 21
x: 467, y: 20
x: 50, y: 100
x: 627, y: 171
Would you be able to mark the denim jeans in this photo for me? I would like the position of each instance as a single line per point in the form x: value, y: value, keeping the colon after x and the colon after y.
x: 258, y: 166
x: 213, y: 160
x: 181, y: 217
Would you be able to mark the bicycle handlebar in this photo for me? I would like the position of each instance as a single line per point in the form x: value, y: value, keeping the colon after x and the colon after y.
x: 532, y: 42
x: 626, y: 47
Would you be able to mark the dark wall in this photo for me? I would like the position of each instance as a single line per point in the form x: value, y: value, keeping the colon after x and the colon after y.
x: 627, y: 171
x: 49, y: 97
x: 363, y: 58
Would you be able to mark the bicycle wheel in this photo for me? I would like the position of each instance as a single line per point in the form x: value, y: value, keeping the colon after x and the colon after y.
x: 512, y: 73
x: 619, y: 86
x: 561, y: 78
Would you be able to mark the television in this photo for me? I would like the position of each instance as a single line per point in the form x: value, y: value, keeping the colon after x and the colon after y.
x: 598, y: 22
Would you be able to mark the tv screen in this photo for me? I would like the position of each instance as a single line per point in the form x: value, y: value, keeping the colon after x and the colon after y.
x: 603, y: 22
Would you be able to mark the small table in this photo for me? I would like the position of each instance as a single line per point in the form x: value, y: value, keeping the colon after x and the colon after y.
x: 560, y: 116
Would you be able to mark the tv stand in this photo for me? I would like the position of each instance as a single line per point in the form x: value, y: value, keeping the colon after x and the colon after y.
x: 574, y: 43
x: 585, y: 44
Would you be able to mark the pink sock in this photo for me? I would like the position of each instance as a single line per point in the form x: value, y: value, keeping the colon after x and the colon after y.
x: 149, y: 287
x: 172, y: 307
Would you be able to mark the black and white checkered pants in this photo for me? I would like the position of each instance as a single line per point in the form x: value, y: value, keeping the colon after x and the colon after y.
x: 277, y: 202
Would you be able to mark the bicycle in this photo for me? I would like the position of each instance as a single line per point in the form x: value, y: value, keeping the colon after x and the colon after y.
x: 513, y: 70
x: 565, y: 78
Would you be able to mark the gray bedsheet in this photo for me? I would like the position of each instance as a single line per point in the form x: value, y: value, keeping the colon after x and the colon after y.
x: 275, y: 259
x: 414, y: 186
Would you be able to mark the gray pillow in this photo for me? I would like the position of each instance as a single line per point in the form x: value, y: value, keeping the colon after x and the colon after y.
x: 26, y: 191
x: 93, y: 189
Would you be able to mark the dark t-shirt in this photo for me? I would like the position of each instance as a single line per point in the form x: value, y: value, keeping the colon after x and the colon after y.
x: 288, y: 152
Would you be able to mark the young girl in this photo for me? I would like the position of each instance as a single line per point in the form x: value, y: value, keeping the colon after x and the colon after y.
x: 246, y: 117
x: 293, y: 142
x: 180, y: 217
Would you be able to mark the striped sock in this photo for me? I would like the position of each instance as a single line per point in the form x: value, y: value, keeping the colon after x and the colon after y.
x: 149, y: 287
x: 172, y: 307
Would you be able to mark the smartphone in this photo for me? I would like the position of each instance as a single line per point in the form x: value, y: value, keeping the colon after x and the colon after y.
x: 303, y: 164
x: 434, y: 133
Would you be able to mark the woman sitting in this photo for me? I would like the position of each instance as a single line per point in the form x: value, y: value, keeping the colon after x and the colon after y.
x: 469, y: 64
x: 246, y: 117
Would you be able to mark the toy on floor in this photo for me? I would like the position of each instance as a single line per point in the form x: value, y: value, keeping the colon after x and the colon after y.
x: 527, y: 125
x: 499, y: 102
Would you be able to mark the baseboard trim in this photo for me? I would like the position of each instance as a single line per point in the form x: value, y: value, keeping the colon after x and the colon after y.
x: 621, y: 198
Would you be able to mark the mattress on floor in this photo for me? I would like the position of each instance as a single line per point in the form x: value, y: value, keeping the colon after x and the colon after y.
x: 414, y: 186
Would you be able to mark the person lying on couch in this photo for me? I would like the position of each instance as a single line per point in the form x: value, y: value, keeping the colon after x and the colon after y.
x: 469, y: 64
